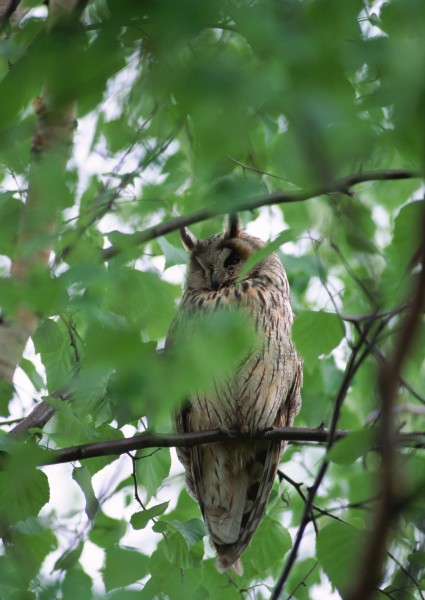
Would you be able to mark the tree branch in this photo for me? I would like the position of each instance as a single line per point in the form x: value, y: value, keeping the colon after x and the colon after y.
x: 7, y: 9
x: 356, y: 359
x: 342, y: 185
x: 184, y: 440
x: 40, y: 415
x: 393, y: 497
x: 52, y: 139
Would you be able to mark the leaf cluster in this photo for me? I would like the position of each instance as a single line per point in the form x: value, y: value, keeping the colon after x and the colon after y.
x: 183, y: 105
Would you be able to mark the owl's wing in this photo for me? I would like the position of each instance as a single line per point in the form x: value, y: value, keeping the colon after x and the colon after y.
x: 262, y: 473
x: 181, y: 416
x: 186, y: 455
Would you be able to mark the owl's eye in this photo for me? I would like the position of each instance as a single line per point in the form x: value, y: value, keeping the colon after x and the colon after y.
x: 232, y: 259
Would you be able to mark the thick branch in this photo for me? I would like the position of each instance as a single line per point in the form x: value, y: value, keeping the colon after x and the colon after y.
x: 342, y: 185
x: 182, y: 440
x: 52, y: 139
x: 9, y: 11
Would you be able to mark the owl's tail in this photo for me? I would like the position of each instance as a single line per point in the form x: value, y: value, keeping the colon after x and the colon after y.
x: 223, y: 511
x: 224, y: 563
x: 250, y: 505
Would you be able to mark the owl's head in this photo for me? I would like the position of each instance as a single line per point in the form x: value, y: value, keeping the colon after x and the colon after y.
x: 217, y: 261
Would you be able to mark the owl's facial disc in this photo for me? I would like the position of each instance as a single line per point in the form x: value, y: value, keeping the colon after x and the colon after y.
x: 217, y: 261
x: 233, y: 254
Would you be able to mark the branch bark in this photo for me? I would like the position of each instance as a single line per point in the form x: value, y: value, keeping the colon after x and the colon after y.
x: 10, y: 11
x: 183, y: 440
x: 52, y: 138
x: 342, y: 186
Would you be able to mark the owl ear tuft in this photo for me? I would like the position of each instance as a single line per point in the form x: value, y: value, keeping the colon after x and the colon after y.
x: 189, y: 241
x: 234, y: 226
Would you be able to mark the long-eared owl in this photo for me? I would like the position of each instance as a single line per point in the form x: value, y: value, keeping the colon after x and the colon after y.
x: 232, y: 482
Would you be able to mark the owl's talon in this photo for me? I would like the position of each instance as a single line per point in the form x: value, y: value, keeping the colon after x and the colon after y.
x: 267, y: 429
x: 232, y: 432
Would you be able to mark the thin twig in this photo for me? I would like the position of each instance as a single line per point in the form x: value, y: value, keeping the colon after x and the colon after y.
x: 342, y: 185
x: 10, y: 422
x: 134, y: 477
x: 376, y: 314
x: 256, y: 170
x: 298, y: 488
x: 304, y: 579
x: 407, y: 574
x: 366, y: 291
x: 383, y: 361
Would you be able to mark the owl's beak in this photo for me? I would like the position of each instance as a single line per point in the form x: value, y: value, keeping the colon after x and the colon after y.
x: 215, y: 280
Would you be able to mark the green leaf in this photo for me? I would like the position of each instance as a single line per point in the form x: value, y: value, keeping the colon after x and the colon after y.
x: 10, y: 210
x: 304, y: 575
x: 11, y: 579
x: 177, y: 552
x: 338, y: 549
x: 106, y: 531
x: 262, y: 253
x: 77, y: 584
x: 154, y: 314
x: 402, y: 250
x: 356, y: 224
x: 182, y: 545
x: 23, y: 491
x: 417, y: 558
x: 348, y: 449
x: 103, y: 433
x: 118, y: 134
x: 213, y: 343
x: 140, y: 519
x: 54, y: 347
x: 362, y: 486
x: 123, y: 567
x: 216, y: 583
x: 193, y: 530
x: 83, y: 477
x: 31, y: 372
x: 173, y: 255
x: 406, y: 232
x: 166, y: 578
x: 32, y: 542
x: 269, y: 545
x: 128, y: 594
x: 316, y: 334
x: 6, y: 394
x: 152, y: 469
x: 69, y: 558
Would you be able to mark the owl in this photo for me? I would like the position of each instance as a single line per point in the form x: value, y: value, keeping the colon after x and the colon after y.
x: 232, y: 481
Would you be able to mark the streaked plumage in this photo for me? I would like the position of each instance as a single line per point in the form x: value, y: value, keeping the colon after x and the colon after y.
x: 232, y: 482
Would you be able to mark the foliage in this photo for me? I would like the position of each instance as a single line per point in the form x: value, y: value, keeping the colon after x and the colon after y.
x: 182, y: 106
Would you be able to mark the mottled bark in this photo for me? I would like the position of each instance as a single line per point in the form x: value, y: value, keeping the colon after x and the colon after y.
x: 51, y: 141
